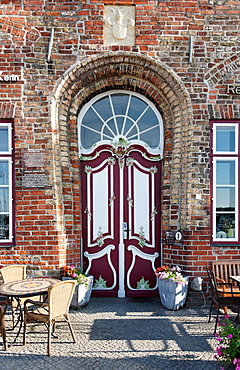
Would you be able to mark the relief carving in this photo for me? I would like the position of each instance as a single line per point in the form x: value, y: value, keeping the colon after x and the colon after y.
x: 119, y: 25
x: 216, y: 2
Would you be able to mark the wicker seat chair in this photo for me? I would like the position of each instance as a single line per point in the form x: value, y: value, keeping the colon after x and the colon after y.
x: 230, y: 299
x: 2, y: 328
x: 13, y: 273
x: 52, y: 312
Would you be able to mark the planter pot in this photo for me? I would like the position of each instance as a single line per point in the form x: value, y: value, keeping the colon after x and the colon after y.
x: 82, y: 295
x: 172, y: 295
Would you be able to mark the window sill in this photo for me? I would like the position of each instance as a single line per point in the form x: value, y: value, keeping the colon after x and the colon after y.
x: 7, y: 244
x: 217, y: 244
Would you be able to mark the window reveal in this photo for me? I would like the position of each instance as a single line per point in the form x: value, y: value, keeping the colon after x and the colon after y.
x: 6, y: 181
x: 225, y: 187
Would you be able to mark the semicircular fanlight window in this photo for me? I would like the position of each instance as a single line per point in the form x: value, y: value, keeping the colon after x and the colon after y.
x: 120, y: 114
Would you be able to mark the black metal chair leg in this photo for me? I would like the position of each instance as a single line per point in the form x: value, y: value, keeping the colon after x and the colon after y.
x: 215, y: 329
x: 237, y: 317
x: 210, y: 312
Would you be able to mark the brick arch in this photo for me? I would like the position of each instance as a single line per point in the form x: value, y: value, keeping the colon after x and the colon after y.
x: 217, y: 79
x: 111, y: 66
x: 18, y: 29
x: 222, y: 70
x: 128, y: 71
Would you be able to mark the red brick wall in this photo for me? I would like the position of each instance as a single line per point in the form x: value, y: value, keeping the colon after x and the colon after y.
x: 44, y: 104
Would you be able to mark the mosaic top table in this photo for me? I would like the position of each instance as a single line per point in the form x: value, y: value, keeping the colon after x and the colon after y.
x: 27, y: 287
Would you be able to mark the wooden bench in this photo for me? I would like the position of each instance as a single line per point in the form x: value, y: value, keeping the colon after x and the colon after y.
x: 222, y: 270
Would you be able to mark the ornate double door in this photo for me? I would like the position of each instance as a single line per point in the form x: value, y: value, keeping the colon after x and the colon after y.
x: 121, y: 219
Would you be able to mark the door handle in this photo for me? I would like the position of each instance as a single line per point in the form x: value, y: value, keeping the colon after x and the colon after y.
x: 125, y: 230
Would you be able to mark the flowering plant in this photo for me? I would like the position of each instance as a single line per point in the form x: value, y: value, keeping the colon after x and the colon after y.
x: 170, y: 273
x: 228, y: 350
x: 75, y: 273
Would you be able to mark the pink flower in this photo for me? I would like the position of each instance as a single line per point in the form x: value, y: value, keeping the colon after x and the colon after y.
x: 236, y: 361
x: 219, y: 352
x: 230, y: 336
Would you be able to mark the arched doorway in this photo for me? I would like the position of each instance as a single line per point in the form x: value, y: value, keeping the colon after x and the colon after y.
x: 120, y: 136
x: 153, y: 80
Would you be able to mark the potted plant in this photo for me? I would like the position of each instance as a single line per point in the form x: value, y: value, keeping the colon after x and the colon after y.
x: 172, y: 286
x: 228, y: 348
x: 84, y: 286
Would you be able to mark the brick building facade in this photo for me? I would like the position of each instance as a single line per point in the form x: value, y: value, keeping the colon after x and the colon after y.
x: 182, y: 58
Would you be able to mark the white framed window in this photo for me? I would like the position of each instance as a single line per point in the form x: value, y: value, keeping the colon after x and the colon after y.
x: 225, y: 184
x: 6, y: 183
x: 120, y: 113
x: 225, y: 138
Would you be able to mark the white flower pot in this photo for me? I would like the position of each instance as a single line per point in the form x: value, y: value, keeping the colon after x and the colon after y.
x: 82, y: 295
x: 172, y: 295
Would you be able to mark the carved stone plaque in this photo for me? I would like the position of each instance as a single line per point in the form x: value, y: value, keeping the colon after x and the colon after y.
x: 34, y: 180
x: 34, y: 164
x: 119, y: 27
x: 34, y: 158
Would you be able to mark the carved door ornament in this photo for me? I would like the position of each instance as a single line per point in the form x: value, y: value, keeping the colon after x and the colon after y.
x: 119, y: 25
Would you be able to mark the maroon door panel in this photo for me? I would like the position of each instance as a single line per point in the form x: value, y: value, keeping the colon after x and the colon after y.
x: 121, y: 220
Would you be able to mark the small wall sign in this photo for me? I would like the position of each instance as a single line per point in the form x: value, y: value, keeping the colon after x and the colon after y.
x: 178, y: 236
x: 8, y: 78
x: 34, y: 180
x: 233, y: 89
x: 33, y: 163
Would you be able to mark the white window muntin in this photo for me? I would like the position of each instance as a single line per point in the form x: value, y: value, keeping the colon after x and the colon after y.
x: 235, y: 187
x: 6, y: 209
x: 7, y: 126
x: 222, y: 125
x: 105, y: 138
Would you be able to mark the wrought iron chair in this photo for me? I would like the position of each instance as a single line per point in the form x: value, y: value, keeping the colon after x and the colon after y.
x: 13, y: 273
x: 2, y: 328
x: 220, y: 299
x: 53, y: 311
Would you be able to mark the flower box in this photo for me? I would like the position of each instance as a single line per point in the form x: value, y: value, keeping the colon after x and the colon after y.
x: 84, y: 286
x: 82, y: 294
x: 172, y: 295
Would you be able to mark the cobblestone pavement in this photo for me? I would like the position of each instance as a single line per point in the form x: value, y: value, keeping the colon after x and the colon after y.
x: 119, y: 333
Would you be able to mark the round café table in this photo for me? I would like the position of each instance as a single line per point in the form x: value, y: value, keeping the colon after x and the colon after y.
x: 23, y: 289
x: 27, y: 287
